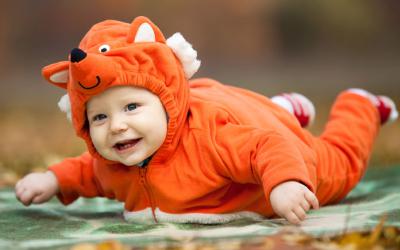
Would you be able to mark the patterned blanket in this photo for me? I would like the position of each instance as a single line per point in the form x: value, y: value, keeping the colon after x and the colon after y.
x: 53, y: 226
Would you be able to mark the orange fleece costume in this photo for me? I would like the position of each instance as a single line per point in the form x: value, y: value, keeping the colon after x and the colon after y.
x: 226, y: 148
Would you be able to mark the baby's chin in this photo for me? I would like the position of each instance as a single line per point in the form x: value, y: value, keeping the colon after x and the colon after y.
x: 126, y: 162
x: 129, y: 162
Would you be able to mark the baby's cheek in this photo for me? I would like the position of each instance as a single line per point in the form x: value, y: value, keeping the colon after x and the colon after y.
x: 97, y: 138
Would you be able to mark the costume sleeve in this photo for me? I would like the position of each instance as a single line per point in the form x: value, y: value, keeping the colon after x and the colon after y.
x: 260, y: 156
x: 76, y: 178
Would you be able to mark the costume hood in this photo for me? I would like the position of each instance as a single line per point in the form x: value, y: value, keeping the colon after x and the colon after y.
x: 115, y: 53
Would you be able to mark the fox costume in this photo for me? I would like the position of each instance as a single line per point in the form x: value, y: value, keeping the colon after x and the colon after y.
x: 226, y: 148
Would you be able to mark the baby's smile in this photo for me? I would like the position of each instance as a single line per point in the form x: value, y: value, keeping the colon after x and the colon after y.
x: 126, y: 146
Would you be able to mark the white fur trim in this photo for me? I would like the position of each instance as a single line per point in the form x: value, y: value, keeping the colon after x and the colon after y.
x: 186, y: 54
x: 365, y: 94
x: 145, y: 33
x: 60, y: 77
x: 65, y: 105
x: 283, y: 102
x: 145, y: 216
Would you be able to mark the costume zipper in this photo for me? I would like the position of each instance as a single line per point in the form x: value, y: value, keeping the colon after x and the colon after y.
x: 146, y: 187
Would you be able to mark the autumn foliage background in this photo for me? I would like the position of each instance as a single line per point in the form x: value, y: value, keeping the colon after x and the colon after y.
x: 317, y: 48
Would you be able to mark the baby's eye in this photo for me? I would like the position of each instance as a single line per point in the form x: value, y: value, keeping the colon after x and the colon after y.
x: 99, y: 117
x: 104, y: 48
x: 131, y: 107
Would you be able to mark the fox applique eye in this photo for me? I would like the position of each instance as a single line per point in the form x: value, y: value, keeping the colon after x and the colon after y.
x: 104, y: 48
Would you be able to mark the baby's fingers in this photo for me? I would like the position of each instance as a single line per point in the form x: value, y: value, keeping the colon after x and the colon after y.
x: 19, y: 190
x: 300, y: 213
x: 18, y: 193
x: 292, y: 218
x: 18, y: 185
x: 312, y: 199
x: 26, y: 197
x: 38, y: 199
x: 305, y: 205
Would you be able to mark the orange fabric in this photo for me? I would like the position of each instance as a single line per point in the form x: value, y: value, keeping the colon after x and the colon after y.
x: 226, y: 147
x: 345, y: 146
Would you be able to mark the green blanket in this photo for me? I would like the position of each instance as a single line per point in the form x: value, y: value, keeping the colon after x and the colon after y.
x: 53, y: 226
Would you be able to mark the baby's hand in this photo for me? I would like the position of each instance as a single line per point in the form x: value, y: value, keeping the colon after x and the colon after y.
x: 36, y: 188
x: 291, y: 200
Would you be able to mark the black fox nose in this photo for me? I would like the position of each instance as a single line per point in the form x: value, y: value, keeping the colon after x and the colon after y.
x: 77, y: 55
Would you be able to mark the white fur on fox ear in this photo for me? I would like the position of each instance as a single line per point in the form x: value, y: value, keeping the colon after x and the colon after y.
x: 60, y: 77
x: 186, y: 54
x: 145, y: 33
x: 65, y: 106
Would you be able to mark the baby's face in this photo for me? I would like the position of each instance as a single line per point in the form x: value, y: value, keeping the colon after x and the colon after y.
x: 127, y: 124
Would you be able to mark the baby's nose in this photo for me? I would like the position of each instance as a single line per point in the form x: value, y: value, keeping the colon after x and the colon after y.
x: 118, y: 126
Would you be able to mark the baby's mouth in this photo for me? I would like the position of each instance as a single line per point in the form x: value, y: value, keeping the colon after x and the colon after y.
x: 126, y: 144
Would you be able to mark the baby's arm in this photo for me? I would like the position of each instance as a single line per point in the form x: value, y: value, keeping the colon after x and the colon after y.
x: 291, y: 200
x: 69, y: 179
x: 36, y: 188
x: 268, y: 158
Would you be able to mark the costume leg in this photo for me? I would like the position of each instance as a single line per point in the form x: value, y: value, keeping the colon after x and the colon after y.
x: 344, y: 148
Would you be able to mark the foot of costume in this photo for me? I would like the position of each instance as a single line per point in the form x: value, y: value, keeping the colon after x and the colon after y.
x: 386, y: 107
x: 304, y: 111
x: 298, y: 105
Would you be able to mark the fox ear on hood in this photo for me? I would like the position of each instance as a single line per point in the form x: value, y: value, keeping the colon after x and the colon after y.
x: 57, y: 73
x: 143, y: 30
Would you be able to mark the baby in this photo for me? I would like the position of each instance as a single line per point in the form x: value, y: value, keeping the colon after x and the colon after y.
x: 196, y: 151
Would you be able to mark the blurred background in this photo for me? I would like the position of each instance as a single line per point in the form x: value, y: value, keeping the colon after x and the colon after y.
x: 317, y: 48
